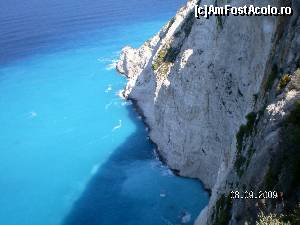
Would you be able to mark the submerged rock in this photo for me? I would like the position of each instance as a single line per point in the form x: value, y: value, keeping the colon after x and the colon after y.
x: 186, y: 218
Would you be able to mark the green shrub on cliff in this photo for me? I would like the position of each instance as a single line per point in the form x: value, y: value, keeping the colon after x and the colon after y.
x: 285, y: 79
x: 294, y: 217
x: 163, y: 60
x: 282, y: 219
x: 159, y: 59
x: 171, y: 54
x: 271, y: 219
x: 222, y: 213
x: 271, y: 78
x: 244, y: 131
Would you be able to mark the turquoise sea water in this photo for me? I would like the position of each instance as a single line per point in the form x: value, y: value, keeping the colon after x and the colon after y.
x: 72, y: 152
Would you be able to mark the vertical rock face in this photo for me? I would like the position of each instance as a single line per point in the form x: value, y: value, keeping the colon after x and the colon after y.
x: 197, y: 79
x: 195, y: 102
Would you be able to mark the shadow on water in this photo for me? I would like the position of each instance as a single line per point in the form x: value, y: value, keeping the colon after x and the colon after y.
x: 103, y: 195
x: 104, y: 201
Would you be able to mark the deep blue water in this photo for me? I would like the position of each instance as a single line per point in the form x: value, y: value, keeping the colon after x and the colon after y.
x: 72, y: 152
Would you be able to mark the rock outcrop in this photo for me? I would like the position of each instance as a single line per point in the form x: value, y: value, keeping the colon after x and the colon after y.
x: 198, y: 81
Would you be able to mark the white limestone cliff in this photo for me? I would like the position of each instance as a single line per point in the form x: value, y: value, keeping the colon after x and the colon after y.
x: 195, y: 81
